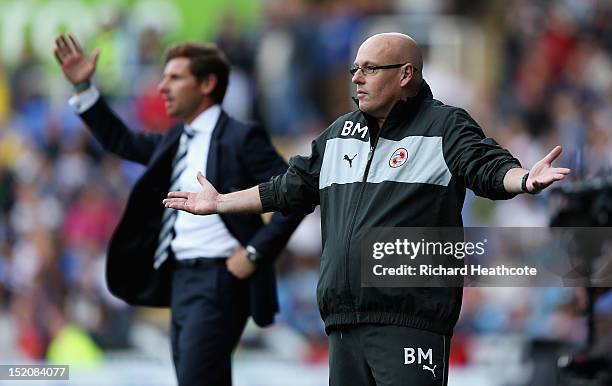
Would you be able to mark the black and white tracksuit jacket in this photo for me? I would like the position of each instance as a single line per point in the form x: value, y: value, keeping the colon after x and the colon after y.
x: 412, y: 172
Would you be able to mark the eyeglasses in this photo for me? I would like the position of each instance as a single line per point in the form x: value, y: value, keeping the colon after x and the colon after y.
x: 371, y: 70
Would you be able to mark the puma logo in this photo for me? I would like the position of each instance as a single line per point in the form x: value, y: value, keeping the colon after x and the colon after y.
x: 350, y: 160
x: 433, y: 371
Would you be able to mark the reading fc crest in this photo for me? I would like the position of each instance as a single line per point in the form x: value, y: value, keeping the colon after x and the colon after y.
x: 398, y: 158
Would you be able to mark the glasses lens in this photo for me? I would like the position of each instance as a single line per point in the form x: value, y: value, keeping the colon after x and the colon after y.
x: 353, y: 70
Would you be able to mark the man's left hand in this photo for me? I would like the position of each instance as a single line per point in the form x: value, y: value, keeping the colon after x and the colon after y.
x: 239, y: 265
x: 542, y: 174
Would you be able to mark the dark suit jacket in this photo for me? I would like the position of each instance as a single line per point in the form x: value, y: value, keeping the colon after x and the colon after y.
x: 240, y: 156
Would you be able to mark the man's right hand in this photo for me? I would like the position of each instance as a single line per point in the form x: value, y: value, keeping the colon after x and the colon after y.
x: 75, y: 66
x: 209, y: 201
x: 204, y: 202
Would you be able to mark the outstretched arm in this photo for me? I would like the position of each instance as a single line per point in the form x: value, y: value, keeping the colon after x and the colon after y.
x: 104, y: 124
x: 296, y: 191
x: 541, y: 175
x: 209, y: 201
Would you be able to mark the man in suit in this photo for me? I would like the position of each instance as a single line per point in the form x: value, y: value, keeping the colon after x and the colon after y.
x: 213, y: 272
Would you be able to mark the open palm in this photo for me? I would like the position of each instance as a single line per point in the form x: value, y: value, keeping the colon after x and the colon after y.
x: 75, y: 66
x: 202, y: 202
x: 543, y: 174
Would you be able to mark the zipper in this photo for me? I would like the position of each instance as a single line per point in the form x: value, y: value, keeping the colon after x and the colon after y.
x: 352, y: 223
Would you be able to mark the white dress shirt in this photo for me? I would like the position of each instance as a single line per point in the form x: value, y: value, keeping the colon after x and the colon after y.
x: 196, y: 236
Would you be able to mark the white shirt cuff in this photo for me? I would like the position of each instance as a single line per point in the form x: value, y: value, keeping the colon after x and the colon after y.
x: 83, y: 101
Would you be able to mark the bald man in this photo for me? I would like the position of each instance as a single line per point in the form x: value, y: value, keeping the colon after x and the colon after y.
x: 402, y: 159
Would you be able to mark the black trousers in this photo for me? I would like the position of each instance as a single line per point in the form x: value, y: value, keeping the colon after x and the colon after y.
x: 387, y: 355
x: 209, y: 309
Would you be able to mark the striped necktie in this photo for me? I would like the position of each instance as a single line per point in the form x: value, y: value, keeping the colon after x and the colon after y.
x: 166, y: 234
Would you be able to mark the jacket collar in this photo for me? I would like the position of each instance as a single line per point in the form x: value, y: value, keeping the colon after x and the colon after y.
x: 169, y: 145
x: 212, y: 164
x: 207, y: 120
x: 403, y: 109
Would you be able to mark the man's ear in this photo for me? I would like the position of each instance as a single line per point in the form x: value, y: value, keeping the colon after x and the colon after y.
x: 208, y: 84
x: 407, y: 75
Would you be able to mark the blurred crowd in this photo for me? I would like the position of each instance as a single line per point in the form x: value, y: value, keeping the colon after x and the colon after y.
x: 61, y: 195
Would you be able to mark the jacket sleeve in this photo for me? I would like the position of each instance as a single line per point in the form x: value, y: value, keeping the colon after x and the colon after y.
x: 297, y: 190
x: 477, y: 160
x: 115, y: 137
x: 263, y: 162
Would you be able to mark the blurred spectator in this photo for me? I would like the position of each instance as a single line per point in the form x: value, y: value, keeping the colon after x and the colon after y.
x: 4, y: 97
x: 90, y: 220
x: 69, y: 343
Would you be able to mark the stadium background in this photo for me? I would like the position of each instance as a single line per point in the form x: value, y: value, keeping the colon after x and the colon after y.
x: 532, y: 73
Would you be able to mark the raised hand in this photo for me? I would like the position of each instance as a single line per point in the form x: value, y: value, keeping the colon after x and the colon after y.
x: 75, y: 66
x: 542, y: 174
x: 203, y: 202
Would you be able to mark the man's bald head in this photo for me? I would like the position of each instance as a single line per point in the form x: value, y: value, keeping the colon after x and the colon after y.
x: 396, y: 47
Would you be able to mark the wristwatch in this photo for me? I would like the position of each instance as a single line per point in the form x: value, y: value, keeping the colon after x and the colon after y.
x: 81, y: 86
x: 524, y: 183
x: 252, y: 254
